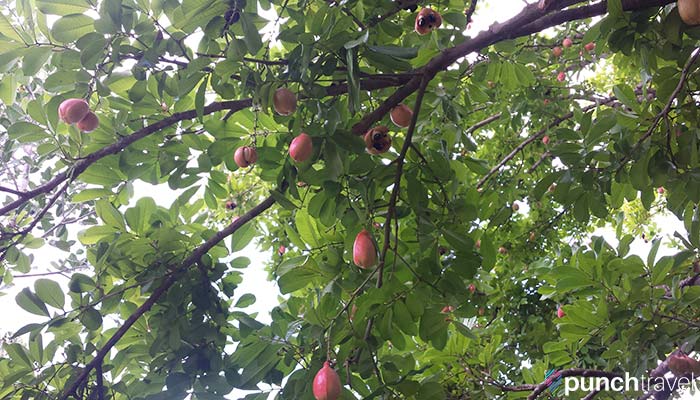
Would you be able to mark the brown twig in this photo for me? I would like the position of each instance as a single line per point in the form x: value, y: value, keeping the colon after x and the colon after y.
x: 534, y: 137
x: 667, y: 108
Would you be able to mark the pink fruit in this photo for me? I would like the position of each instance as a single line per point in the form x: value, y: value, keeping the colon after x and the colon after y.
x: 284, y: 101
x: 326, y: 384
x: 556, y: 52
x: 660, y: 190
x: 401, y: 115
x: 245, y: 156
x: 567, y: 42
x: 364, y: 254
x: 681, y: 365
x: 561, y: 77
x: 301, y: 148
x: 589, y: 47
x: 73, y: 110
x: 560, y: 312
x: 545, y: 139
x: 447, y: 309
x: 472, y: 288
x: 281, y: 250
x: 89, y: 123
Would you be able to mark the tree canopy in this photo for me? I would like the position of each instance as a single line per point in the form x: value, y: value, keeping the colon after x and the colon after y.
x: 480, y: 274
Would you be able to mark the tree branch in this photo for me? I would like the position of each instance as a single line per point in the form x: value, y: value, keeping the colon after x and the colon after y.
x: 536, y: 136
x: 193, y: 258
x: 532, y: 19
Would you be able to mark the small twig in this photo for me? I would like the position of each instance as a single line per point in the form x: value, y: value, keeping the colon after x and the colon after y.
x: 667, y: 108
x: 534, y: 137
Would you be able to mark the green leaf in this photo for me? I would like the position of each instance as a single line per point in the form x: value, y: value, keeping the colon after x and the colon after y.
x: 251, y: 36
x: 109, y: 214
x: 50, y: 292
x: 91, y: 319
x: 62, y: 7
x: 245, y: 301
x: 71, y: 27
x: 395, y: 51
x: 30, y: 302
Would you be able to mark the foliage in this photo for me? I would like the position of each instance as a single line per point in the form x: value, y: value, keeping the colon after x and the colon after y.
x: 153, y: 309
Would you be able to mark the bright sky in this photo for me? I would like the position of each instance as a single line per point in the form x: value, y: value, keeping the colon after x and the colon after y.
x: 255, y: 277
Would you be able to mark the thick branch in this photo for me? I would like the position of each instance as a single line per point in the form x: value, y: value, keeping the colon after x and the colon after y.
x: 586, y: 373
x: 163, y: 288
x: 532, y: 19
x: 79, y: 167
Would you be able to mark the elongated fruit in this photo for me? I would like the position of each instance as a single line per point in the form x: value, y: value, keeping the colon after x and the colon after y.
x: 301, y: 148
x: 89, y: 123
x: 245, y: 156
x: 284, y: 101
x: 401, y: 115
x: 326, y: 383
x: 689, y: 11
x: 364, y: 254
x: 72, y: 111
x: 560, y: 312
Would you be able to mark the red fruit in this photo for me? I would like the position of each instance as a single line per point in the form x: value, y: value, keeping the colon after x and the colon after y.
x: 427, y: 20
x: 72, y: 111
x: 472, y: 288
x: 353, y: 310
x: 401, y: 115
x: 281, y: 250
x: 284, y: 101
x: 545, y: 139
x: 364, y: 254
x: 660, y: 190
x: 560, y: 312
x: 556, y: 52
x: 502, y: 250
x: 301, y: 148
x: 377, y: 140
x: 89, y: 123
x: 589, y: 47
x: 447, y: 309
x: 245, y: 156
x: 561, y: 77
x: 326, y: 383
x: 682, y: 365
x: 689, y: 11
x: 567, y: 42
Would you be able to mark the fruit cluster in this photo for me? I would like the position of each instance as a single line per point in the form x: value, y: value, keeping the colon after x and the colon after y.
x: 77, y: 111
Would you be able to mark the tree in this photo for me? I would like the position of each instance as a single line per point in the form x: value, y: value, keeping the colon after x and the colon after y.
x: 480, y: 214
